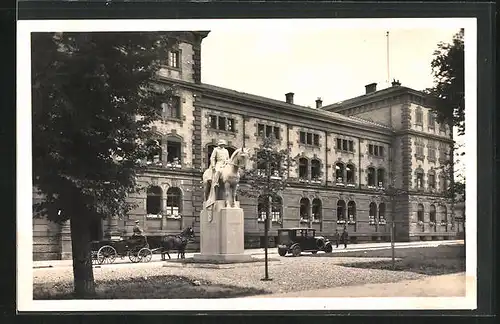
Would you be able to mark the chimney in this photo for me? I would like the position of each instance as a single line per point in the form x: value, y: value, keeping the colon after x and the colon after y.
x: 319, y: 103
x: 395, y: 83
x: 289, y: 97
x: 372, y: 87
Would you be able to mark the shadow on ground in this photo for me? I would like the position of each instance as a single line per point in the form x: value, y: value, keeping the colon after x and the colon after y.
x: 154, y: 287
x: 445, y: 259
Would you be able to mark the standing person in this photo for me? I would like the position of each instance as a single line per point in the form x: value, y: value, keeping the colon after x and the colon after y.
x: 218, y: 159
x: 345, y: 237
x: 337, y: 238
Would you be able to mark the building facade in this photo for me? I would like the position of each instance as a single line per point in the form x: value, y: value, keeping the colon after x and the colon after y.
x: 360, y: 163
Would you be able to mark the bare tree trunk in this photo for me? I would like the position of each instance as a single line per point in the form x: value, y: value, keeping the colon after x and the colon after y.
x: 84, y: 286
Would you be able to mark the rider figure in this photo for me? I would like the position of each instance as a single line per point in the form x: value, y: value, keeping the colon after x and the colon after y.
x: 218, y: 159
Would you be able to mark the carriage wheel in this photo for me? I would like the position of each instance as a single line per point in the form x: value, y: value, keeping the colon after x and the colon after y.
x: 145, y: 255
x: 106, y: 254
x: 95, y: 260
x: 133, y: 255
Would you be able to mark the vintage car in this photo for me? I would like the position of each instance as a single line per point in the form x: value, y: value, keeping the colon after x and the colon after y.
x: 298, y: 240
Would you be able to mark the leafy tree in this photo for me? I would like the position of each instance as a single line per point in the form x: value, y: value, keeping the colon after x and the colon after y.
x: 449, y: 82
x: 448, y: 71
x: 92, y: 110
x: 267, y: 180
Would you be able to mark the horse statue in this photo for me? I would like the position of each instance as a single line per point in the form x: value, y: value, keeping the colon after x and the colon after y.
x: 176, y: 242
x: 228, y: 179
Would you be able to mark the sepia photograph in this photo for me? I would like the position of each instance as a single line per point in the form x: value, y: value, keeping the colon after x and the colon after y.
x: 174, y: 163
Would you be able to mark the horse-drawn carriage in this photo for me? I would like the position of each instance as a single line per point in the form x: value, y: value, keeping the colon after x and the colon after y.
x: 135, y: 247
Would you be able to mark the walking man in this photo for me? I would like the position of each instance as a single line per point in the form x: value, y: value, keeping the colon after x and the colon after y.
x: 337, y: 238
x: 345, y: 237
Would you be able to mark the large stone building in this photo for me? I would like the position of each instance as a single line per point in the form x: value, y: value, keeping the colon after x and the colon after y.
x: 350, y: 156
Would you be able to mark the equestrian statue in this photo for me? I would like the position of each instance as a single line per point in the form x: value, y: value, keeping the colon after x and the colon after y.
x: 221, y: 179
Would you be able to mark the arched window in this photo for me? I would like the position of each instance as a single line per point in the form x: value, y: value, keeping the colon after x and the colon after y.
x: 371, y: 176
x: 372, y: 213
x: 351, y: 211
x: 432, y: 214
x: 303, y: 168
x: 153, y: 200
x: 276, y: 208
x: 381, y: 177
x: 431, y: 179
x: 315, y: 169
x: 174, y: 202
x: 154, y: 151
x: 444, y: 214
x: 304, y: 208
x: 339, y: 172
x: 341, y: 210
x: 420, y: 212
x: 350, y: 173
x: 420, y: 179
x: 316, y: 209
x: 174, y: 155
x: 381, y: 212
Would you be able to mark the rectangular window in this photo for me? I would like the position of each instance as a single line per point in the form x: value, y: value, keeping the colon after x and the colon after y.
x: 276, y: 132
x: 260, y: 130
x: 303, y: 137
x: 269, y: 131
x: 381, y: 150
x: 420, y: 150
x: 375, y: 150
x: 316, y: 140
x: 222, y: 123
x: 370, y: 149
x: 432, y: 153
x: 213, y: 122
x: 344, y: 145
x: 309, y: 138
x: 230, y: 124
x: 339, y: 144
x: 431, y: 120
x: 172, y: 107
x: 432, y: 181
x: 419, y: 117
x: 351, y: 146
x: 173, y: 59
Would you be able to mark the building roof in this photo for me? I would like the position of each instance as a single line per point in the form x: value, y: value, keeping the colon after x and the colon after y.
x: 321, y: 113
x: 393, y: 90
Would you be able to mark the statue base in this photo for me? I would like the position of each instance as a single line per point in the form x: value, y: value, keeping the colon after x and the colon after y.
x: 222, y: 235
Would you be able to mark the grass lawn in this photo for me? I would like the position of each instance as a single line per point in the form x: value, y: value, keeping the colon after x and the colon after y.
x: 153, y: 287
x: 432, y: 261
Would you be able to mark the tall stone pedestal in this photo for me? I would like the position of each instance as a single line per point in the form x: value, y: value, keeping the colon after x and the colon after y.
x: 222, y: 235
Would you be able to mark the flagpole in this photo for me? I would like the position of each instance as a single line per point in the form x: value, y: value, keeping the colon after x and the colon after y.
x: 388, y: 71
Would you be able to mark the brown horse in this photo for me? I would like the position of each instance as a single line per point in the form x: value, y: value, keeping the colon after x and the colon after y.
x: 229, y: 177
x: 176, y: 242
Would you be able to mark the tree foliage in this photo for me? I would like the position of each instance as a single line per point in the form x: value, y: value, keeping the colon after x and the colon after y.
x: 448, y: 71
x: 92, y: 108
x: 449, y: 82
x: 269, y: 175
x: 88, y: 89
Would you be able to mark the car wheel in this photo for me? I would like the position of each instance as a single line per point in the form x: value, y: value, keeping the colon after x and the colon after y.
x: 282, y: 252
x: 328, y: 248
x: 296, y: 251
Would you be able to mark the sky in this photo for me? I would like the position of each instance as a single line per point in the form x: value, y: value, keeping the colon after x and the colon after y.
x: 332, y: 63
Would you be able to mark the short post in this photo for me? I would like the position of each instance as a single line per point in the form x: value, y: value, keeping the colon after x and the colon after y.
x: 266, y: 239
x: 393, y: 227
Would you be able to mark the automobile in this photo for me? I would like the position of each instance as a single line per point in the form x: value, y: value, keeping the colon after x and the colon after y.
x: 298, y: 240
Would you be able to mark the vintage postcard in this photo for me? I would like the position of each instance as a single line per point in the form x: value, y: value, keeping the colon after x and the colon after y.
x: 172, y: 164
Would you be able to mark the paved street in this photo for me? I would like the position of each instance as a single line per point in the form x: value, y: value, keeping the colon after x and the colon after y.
x: 255, y: 252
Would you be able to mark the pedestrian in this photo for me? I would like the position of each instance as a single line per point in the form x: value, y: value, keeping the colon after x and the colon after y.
x: 345, y: 237
x: 337, y: 238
